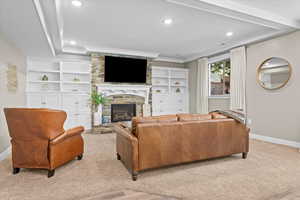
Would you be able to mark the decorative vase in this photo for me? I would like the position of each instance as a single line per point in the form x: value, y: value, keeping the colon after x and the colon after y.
x: 98, y: 116
x: 45, y: 78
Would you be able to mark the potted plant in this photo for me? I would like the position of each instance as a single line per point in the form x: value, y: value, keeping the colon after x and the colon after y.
x: 97, y: 100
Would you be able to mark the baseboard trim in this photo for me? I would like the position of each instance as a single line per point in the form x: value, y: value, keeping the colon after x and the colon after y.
x: 5, y: 153
x: 275, y: 140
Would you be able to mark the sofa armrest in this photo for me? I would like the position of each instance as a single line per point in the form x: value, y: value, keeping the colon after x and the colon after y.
x: 127, y: 147
x: 67, y: 134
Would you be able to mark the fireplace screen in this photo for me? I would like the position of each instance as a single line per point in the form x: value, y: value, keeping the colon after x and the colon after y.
x: 122, y: 112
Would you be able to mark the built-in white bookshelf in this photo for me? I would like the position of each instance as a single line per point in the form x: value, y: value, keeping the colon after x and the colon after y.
x: 70, y: 76
x: 169, y: 90
x: 64, y: 85
x: 167, y: 80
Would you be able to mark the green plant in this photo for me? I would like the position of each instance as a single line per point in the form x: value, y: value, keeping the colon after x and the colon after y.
x: 97, y: 99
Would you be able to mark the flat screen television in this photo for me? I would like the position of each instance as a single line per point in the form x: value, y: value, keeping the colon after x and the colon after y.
x: 125, y: 70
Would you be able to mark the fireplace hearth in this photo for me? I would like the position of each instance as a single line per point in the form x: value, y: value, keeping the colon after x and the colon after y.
x: 122, y: 112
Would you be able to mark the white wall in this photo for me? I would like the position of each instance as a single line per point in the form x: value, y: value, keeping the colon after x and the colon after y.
x: 10, y: 54
x: 275, y: 113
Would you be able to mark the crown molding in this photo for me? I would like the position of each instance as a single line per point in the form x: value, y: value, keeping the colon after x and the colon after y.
x: 41, y: 16
x: 168, y: 59
x: 125, y: 52
x: 246, y: 42
x: 59, y: 21
x: 240, y: 12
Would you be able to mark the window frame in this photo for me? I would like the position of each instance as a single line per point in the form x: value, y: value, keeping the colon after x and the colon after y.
x: 212, y: 60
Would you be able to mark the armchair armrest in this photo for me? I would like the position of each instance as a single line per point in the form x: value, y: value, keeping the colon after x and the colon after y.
x: 67, y: 134
x: 127, y: 147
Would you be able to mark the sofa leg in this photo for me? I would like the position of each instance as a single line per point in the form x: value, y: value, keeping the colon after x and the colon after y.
x: 80, y: 157
x: 245, y: 155
x: 118, y: 156
x: 134, y: 176
x: 51, y: 173
x: 16, y: 170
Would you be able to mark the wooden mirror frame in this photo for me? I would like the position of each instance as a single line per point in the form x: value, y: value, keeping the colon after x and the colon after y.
x: 259, y: 70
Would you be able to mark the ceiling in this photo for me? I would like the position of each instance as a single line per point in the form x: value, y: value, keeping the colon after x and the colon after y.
x: 288, y: 9
x: 135, y: 27
x: 20, y: 24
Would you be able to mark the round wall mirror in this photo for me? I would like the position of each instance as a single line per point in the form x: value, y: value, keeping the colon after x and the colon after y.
x: 274, y: 73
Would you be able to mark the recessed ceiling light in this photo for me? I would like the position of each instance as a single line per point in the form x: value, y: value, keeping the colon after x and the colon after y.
x: 168, y: 21
x: 76, y: 3
x: 72, y: 42
x: 229, y: 34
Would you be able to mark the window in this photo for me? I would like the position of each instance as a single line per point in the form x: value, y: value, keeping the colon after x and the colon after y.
x: 219, y: 80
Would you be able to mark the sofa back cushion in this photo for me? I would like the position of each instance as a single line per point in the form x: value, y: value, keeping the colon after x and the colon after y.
x: 155, y: 119
x: 216, y: 115
x: 193, y: 117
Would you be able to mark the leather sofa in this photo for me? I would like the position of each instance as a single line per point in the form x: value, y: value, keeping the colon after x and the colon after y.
x: 154, y: 142
x: 39, y: 140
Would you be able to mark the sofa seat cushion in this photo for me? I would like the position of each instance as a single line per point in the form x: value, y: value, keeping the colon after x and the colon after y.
x: 216, y: 115
x: 193, y: 117
x: 155, y: 119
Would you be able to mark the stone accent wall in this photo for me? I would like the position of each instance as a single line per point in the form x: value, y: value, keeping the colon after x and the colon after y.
x: 98, y: 70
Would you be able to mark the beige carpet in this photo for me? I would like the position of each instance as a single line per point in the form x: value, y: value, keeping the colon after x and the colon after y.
x: 128, y: 195
x: 271, y: 172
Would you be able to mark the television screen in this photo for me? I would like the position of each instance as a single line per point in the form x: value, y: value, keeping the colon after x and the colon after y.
x: 125, y: 70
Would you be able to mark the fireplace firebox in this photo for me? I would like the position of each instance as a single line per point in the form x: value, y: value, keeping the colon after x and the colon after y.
x: 122, y: 112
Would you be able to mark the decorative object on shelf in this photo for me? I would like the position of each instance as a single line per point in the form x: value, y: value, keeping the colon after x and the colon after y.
x: 178, y: 90
x: 45, y: 78
x: 177, y: 83
x: 76, y: 79
x: 97, y: 100
x: 158, y: 91
x: 12, y: 78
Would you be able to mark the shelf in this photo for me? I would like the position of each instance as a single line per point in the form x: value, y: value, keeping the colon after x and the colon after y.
x: 178, y: 77
x: 42, y: 91
x: 158, y: 76
x: 43, y: 71
x: 44, y: 81
x: 178, y: 86
x: 74, y: 82
x: 82, y: 73
x: 76, y: 91
x: 160, y: 85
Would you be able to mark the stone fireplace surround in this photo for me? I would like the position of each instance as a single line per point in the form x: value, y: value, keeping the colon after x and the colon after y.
x: 124, y: 94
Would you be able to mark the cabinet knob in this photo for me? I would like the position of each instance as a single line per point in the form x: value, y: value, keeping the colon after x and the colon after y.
x: 43, y: 103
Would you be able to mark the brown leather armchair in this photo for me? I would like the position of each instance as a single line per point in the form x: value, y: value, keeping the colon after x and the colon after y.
x: 39, y: 140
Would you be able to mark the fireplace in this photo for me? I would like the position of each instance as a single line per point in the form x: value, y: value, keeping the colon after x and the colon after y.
x: 122, y: 112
